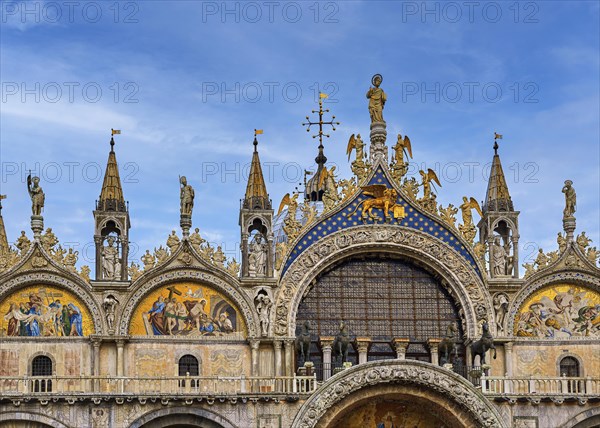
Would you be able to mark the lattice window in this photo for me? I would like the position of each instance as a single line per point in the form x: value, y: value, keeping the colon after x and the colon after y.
x: 569, y: 367
x: 189, y: 364
x: 380, y: 298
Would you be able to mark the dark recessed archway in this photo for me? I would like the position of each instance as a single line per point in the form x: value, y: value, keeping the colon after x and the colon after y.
x: 181, y: 417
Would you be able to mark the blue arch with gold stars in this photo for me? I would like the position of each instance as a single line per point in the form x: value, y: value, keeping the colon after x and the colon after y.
x: 350, y: 217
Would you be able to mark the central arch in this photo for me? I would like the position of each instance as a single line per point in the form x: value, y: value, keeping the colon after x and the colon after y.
x: 455, y: 273
x: 414, y: 382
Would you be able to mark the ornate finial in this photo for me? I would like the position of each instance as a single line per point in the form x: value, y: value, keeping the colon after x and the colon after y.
x: 255, y: 142
x: 113, y: 132
x: 496, y: 138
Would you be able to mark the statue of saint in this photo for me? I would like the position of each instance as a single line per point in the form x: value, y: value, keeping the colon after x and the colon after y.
x: 570, y: 199
x: 186, y: 197
x: 37, y: 195
x: 196, y: 240
x: 173, y: 242
x: 111, y: 266
x: 499, y: 258
x: 109, y: 305
x: 263, y: 307
x: 377, y: 99
x: 257, y: 259
x: 70, y: 260
x: 23, y: 243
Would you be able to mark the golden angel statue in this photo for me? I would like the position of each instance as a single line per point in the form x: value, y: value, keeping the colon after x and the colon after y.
x: 356, y: 144
x: 289, y: 201
x: 377, y: 99
x: 427, y: 178
x: 466, y: 209
x: 401, y: 148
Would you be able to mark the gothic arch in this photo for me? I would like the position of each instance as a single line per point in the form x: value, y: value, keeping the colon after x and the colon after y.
x: 50, y: 278
x: 413, y: 377
x: 575, y: 277
x: 183, y: 412
x: 178, y: 274
x: 31, y: 417
x: 462, y: 280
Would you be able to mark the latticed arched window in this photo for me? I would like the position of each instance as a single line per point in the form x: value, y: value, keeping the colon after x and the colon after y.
x: 381, y: 298
x: 188, y: 366
x: 41, y: 366
x: 569, y: 367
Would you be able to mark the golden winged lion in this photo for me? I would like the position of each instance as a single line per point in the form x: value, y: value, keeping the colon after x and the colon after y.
x: 384, y: 198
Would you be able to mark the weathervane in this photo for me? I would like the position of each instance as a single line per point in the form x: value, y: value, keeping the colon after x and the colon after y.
x: 496, y: 138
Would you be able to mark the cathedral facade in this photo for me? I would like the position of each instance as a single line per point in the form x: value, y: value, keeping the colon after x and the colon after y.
x: 361, y: 303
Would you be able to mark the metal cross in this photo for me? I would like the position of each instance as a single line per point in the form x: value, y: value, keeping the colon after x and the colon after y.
x: 332, y: 122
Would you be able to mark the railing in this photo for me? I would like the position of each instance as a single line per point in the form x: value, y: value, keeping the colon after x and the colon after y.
x: 156, y: 386
x: 549, y: 386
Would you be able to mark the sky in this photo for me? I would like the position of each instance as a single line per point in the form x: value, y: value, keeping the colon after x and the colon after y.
x: 187, y: 82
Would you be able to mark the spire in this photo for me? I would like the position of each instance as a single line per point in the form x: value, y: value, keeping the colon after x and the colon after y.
x: 256, y: 191
x: 497, y: 197
x: 3, y: 239
x: 111, y: 195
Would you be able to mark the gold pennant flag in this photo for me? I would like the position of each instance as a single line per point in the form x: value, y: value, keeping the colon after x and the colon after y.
x: 322, y: 95
x: 115, y: 131
x: 258, y: 131
x: 497, y: 136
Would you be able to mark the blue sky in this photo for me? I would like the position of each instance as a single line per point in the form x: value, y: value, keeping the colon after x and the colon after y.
x: 188, y: 81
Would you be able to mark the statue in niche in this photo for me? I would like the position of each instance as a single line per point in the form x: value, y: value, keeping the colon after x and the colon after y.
x: 377, y: 98
x: 111, y: 265
x: 501, y: 308
x: 263, y: 307
x: 37, y: 195
x: 257, y: 260
x: 186, y: 196
x: 499, y: 258
x: 570, y: 199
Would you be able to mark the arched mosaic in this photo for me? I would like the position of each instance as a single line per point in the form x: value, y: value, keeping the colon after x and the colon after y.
x: 559, y: 311
x: 44, y: 311
x: 186, y: 309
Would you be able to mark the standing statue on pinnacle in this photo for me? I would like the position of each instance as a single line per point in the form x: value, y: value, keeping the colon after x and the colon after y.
x: 377, y: 99
x: 186, y: 196
x: 570, y: 199
x: 37, y: 195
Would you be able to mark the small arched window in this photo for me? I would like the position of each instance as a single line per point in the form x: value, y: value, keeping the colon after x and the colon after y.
x: 41, y: 366
x: 569, y: 367
x: 188, y: 366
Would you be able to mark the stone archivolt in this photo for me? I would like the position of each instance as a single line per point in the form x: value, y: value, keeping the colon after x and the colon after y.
x: 414, y: 373
x: 464, y: 283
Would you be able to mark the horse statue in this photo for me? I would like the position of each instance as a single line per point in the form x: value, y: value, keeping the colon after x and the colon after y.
x: 303, y: 342
x: 340, y: 343
x: 447, y: 346
x: 481, y: 346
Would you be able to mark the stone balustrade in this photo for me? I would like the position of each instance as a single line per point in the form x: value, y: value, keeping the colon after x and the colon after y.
x: 540, y: 386
x: 175, y: 386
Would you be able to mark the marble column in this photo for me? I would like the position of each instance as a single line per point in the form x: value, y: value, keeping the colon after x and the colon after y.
x: 96, y: 361
x: 278, y: 366
x: 289, y: 357
x: 362, y: 346
x: 401, y: 345
x: 515, y: 246
x: 326, y: 343
x: 508, y: 364
x: 120, y: 357
x: 433, y: 348
x: 254, y: 345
